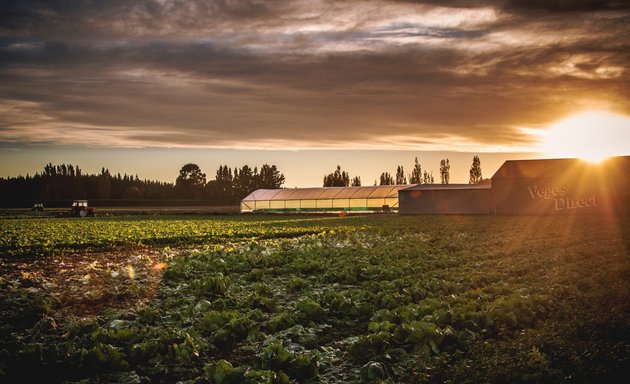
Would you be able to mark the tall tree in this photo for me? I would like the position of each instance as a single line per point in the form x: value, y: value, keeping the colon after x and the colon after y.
x: 400, y: 176
x: 427, y: 178
x: 223, y: 183
x: 243, y: 181
x: 475, y: 171
x: 62, y: 181
x: 104, y: 184
x: 338, y: 178
x: 356, y: 181
x: 416, y: 174
x: 190, y: 181
x: 270, y: 177
x: 387, y: 179
x: 445, y: 171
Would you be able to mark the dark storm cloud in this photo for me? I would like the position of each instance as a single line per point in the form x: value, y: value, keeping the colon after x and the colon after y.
x: 78, y: 19
x: 254, y: 73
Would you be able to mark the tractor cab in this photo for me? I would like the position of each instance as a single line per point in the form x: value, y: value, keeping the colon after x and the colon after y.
x: 38, y: 207
x: 80, y: 208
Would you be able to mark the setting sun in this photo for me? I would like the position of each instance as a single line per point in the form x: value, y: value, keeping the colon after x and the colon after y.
x: 592, y: 136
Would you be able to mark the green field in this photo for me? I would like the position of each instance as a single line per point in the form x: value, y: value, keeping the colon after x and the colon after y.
x: 44, y: 236
x: 276, y: 299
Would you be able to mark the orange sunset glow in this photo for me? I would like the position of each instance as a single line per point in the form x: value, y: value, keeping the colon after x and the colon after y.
x: 592, y: 136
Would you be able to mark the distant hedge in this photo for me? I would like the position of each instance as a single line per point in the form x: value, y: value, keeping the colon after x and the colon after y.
x: 112, y: 203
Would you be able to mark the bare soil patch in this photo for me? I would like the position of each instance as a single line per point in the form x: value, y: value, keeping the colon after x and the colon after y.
x: 85, y: 284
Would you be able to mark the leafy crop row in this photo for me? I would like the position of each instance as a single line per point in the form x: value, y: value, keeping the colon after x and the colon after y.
x: 371, y: 299
x: 39, y: 237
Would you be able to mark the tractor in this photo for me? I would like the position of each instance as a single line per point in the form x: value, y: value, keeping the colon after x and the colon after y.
x: 38, y: 207
x: 80, y: 209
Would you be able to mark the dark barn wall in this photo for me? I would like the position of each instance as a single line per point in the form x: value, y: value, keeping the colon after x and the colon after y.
x: 544, y: 186
x: 562, y: 186
x: 444, y: 201
x: 546, y: 196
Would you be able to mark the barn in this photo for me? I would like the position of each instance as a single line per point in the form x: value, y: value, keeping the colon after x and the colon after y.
x: 445, y: 199
x: 561, y: 186
x: 524, y: 187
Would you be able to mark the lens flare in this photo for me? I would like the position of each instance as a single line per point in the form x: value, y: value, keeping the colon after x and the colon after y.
x: 159, y: 266
x: 592, y: 136
x: 131, y: 272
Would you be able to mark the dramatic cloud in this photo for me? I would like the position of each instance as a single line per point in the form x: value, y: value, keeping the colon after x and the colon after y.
x: 455, y: 75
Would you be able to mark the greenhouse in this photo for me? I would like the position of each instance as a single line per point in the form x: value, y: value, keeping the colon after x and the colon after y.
x: 376, y: 198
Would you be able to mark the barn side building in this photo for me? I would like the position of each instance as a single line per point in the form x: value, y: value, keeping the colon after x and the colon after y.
x: 543, y: 186
x: 445, y: 199
x: 561, y: 186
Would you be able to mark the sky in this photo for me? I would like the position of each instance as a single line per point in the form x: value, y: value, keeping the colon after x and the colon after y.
x: 145, y: 86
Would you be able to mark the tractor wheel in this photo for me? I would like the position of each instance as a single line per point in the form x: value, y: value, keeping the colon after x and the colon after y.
x: 83, y: 213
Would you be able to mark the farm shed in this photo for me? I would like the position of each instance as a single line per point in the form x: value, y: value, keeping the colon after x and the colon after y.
x: 323, y: 199
x: 445, y: 199
x: 560, y: 186
x: 543, y: 186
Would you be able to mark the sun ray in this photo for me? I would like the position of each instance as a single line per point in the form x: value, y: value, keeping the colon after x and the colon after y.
x: 592, y: 136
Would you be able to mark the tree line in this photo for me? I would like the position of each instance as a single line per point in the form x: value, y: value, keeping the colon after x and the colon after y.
x: 68, y: 182
x: 229, y: 186
x: 340, y: 178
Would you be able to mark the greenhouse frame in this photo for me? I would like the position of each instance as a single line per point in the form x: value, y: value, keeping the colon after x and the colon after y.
x: 323, y: 199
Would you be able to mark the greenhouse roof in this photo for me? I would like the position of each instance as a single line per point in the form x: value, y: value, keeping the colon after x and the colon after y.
x: 371, y: 192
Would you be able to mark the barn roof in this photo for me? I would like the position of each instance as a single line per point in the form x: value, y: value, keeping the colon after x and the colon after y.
x: 552, y: 168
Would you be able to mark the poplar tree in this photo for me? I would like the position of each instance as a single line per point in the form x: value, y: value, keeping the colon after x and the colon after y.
x: 427, y: 178
x: 475, y: 171
x: 445, y: 170
x: 400, y: 176
x: 387, y: 179
x: 416, y: 174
